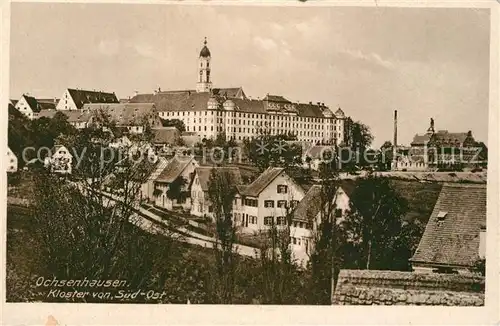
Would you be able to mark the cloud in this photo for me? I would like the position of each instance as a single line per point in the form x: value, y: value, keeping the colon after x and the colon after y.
x: 266, y: 44
x: 109, y: 47
x: 145, y: 50
x: 372, y: 57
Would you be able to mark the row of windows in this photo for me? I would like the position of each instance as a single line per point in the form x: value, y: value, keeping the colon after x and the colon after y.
x: 281, y: 220
x: 243, y: 115
x: 280, y: 203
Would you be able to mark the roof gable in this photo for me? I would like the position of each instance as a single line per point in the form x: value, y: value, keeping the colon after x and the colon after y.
x: 204, y: 173
x: 453, y: 240
x: 174, y: 169
x: 259, y: 184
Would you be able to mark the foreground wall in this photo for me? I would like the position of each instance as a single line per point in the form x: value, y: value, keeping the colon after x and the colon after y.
x: 372, y: 287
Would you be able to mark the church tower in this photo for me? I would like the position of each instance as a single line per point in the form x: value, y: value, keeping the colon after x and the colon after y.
x: 204, y: 83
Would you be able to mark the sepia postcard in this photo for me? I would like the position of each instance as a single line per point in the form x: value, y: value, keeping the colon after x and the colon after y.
x: 238, y: 162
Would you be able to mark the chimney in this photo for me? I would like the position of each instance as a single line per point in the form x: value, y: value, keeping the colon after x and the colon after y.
x: 395, y: 141
x: 136, y: 93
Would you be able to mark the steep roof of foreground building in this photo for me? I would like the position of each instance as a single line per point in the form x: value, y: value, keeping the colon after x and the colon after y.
x: 174, y: 169
x: 374, y: 287
x: 205, y: 172
x: 451, y: 237
x: 259, y: 184
x: 166, y: 135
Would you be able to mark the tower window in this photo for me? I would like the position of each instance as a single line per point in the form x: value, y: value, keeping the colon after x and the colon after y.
x: 208, y: 64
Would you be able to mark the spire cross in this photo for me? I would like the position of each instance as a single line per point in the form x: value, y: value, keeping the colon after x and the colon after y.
x: 205, y: 42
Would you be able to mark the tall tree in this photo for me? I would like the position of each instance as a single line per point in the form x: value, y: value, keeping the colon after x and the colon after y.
x: 179, y: 124
x: 221, y: 192
x: 83, y: 234
x: 324, y: 256
x: 374, y: 222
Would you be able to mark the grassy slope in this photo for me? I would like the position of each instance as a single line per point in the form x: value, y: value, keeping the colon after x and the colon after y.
x: 421, y: 197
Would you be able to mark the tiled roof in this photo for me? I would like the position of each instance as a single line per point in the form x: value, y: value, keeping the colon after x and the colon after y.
x: 276, y: 98
x: 125, y: 114
x: 175, y: 100
x: 190, y: 100
x: 73, y: 115
x: 421, y: 139
x: 166, y: 135
x: 205, y: 171
x: 173, y: 169
x: 374, y: 287
x: 81, y: 97
x: 310, y: 110
x: 259, y: 184
x: 445, y: 137
x: 46, y: 105
x: 233, y: 92
x: 453, y: 240
x: 309, y: 207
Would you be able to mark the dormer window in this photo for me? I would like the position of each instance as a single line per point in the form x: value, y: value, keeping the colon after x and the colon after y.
x: 442, y: 215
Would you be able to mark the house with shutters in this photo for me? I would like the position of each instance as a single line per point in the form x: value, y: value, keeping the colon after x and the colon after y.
x: 268, y: 198
x: 455, y: 235
x: 175, y: 178
x: 200, y: 201
x: 11, y: 161
x: 75, y: 99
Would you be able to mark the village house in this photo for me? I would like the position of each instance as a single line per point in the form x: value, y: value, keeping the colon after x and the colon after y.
x: 268, y: 198
x: 74, y: 99
x: 31, y: 107
x: 455, y: 235
x: 307, y: 216
x: 315, y: 155
x: 166, y: 137
x: 59, y: 160
x: 200, y: 202
x: 77, y: 119
x: 176, y: 176
x: 11, y: 161
x: 133, y: 117
x: 148, y: 187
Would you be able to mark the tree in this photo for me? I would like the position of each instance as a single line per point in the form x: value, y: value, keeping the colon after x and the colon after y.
x: 325, y: 253
x: 267, y: 150
x: 83, y: 234
x: 221, y: 192
x: 385, y: 156
x: 280, y: 277
x: 374, y: 222
x: 179, y: 124
x: 176, y: 189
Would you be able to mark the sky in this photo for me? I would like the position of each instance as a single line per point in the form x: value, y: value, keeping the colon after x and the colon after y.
x: 369, y: 61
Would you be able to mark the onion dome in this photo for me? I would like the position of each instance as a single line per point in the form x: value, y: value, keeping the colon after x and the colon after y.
x: 205, y: 52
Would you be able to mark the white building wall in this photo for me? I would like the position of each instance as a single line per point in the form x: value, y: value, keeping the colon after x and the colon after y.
x: 66, y: 102
x: 23, y: 107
